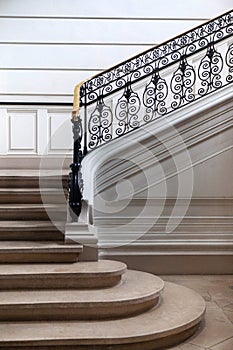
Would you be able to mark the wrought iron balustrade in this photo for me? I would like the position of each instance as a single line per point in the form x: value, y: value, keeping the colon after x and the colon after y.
x: 149, y: 86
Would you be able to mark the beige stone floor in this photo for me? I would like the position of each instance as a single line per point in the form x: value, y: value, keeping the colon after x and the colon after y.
x: 216, y: 332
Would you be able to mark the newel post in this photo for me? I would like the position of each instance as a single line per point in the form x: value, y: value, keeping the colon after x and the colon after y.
x: 75, y: 183
x: 75, y: 180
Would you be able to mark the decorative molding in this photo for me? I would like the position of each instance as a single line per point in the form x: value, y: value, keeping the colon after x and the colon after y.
x: 60, y: 131
x: 22, y: 127
x: 202, y: 240
x: 214, y: 111
x: 176, y: 264
x: 82, y: 234
x: 27, y: 133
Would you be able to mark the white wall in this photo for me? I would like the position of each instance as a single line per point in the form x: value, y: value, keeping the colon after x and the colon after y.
x: 164, y: 204
x: 48, y: 46
x: 35, y: 131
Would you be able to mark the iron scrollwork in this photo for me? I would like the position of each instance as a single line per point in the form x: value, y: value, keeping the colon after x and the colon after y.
x: 151, y: 85
x: 209, y: 70
x: 229, y: 62
x: 182, y: 84
x: 127, y: 109
x: 191, y: 42
x: 154, y: 96
x: 75, y: 182
x: 161, y: 94
x: 100, y: 123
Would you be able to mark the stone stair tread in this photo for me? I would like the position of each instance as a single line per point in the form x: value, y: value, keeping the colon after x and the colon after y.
x: 41, y: 246
x: 129, y: 290
x: 31, y: 206
x: 42, y: 276
x: 31, y: 173
x: 37, y: 212
x: 33, y: 179
x: 36, y: 230
x: 29, y: 190
x: 26, y: 196
x: 81, y: 269
x: 28, y: 225
x: 179, y: 314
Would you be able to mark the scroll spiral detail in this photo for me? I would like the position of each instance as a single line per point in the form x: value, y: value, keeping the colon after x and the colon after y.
x: 154, y: 97
x: 209, y: 71
x: 100, y: 123
x: 127, y: 111
x: 182, y: 84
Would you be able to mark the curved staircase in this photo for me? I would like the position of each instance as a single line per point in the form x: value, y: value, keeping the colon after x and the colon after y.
x: 49, y: 300
x: 93, y: 306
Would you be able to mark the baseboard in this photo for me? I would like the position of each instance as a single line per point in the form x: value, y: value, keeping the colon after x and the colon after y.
x: 171, y: 263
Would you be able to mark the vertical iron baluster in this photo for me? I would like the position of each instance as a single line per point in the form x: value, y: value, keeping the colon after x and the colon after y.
x: 75, y: 184
x: 209, y: 70
x: 124, y: 79
x: 85, y: 123
x: 229, y: 62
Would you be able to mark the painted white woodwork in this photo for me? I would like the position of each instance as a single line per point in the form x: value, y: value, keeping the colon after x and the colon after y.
x: 43, y: 131
x: 38, y: 86
x: 34, y: 130
x: 112, y: 9
x: 57, y: 57
x: 166, y: 191
x: 61, y: 137
x: 91, y: 31
x: 49, y: 46
x: 22, y: 131
x: 4, y: 134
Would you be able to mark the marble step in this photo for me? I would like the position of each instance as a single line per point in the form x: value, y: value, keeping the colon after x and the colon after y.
x: 29, y: 178
x: 32, y: 212
x: 98, y: 274
x: 32, y: 196
x: 137, y: 293
x: 31, y: 230
x: 176, y: 318
x: 38, y: 252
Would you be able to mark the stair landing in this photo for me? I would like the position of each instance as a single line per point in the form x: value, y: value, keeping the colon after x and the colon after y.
x: 176, y: 318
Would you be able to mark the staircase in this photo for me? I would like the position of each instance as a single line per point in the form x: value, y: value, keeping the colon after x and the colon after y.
x: 27, y: 235
x: 129, y: 315
x: 50, y: 301
x: 153, y: 147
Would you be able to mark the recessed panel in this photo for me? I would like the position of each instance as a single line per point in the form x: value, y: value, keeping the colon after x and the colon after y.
x: 61, y: 138
x: 22, y: 131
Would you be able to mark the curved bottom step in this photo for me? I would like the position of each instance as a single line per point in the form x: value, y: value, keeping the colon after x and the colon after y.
x: 127, y: 298
x: 78, y: 275
x: 176, y: 318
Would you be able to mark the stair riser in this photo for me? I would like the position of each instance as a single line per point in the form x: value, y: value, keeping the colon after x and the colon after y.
x: 37, y: 235
x: 27, y: 214
x: 152, y: 344
x: 27, y: 182
x: 12, y: 198
x: 37, y: 257
x: 58, y: 282
x: 74, y: 311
